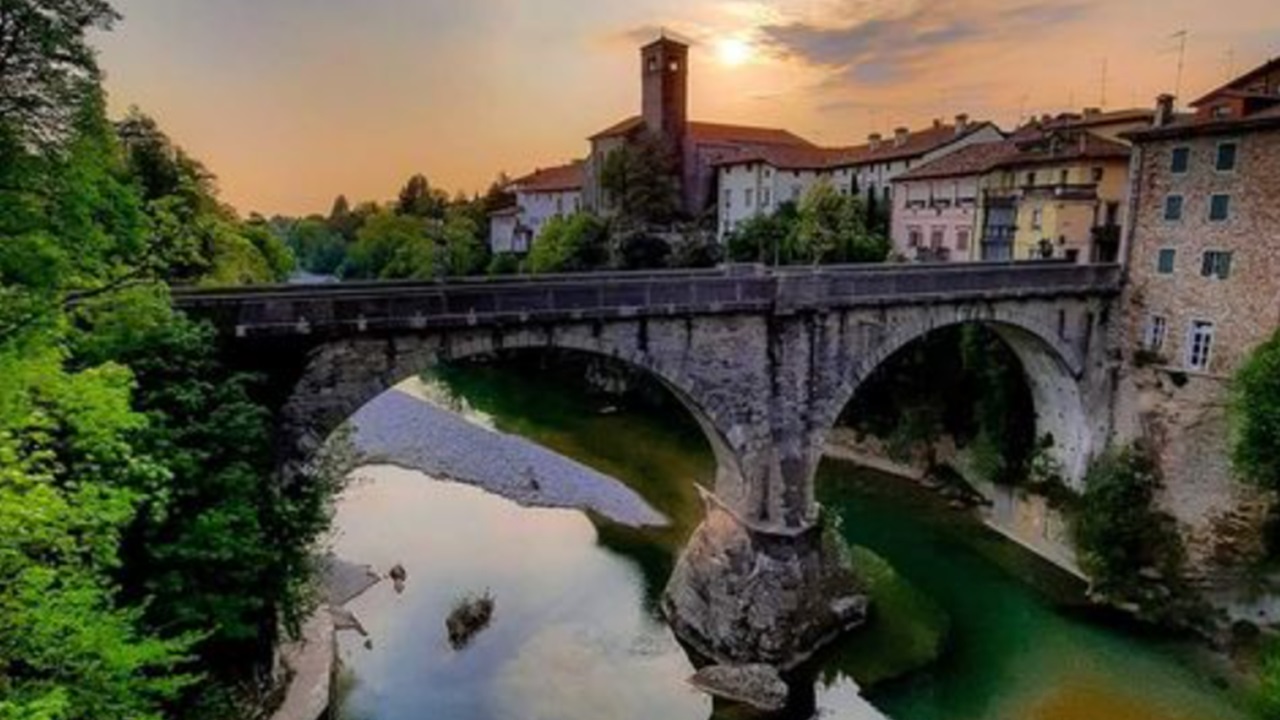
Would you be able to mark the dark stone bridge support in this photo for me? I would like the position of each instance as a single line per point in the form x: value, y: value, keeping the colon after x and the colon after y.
x: 765, y: 362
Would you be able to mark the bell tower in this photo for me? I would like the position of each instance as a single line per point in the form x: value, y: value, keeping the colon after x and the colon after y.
x: 665, y: 73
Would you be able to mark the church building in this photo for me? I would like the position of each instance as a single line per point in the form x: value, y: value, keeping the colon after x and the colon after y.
x: 696, y: 146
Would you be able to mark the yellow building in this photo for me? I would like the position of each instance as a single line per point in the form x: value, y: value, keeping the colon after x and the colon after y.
x: 1061, y: 195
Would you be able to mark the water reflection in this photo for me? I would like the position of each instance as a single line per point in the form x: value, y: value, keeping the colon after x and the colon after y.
x: 570, y: 638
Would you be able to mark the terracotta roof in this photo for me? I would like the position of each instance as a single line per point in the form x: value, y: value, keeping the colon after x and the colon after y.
x: 1072, y: 120
x: 971, y: 160
x: 555, y: 179
x: 626, y: 127
x: 744, y: 135
x: 1185, y: 125
x: 917, y: 142
x: 1072, y: 146
x: 506, y: 211
x: 1271, y: 66
x: 784, y: 157
x: 720, y: 133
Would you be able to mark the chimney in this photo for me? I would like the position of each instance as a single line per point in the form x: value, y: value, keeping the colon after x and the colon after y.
x: 1164, y: 110
x: 937, y: 123
x: 962, y: 124
x: 900, y: 136
x: 874, y: 140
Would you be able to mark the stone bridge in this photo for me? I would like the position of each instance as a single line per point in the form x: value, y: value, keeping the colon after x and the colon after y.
x: 764, y: 360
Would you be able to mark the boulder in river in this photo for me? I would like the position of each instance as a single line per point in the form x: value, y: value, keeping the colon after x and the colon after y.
x: 469, y: 616
x: 760, y: 686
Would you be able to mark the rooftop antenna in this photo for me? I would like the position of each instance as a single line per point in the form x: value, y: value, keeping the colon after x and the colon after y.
x: 1103, y: 102
x: 1181, y: 35
x: 1231, y: 63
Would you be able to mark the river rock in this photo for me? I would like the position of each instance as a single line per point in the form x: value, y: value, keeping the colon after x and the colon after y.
x: 741, y: 596
x: 470, y: 616
x: 760, y: 686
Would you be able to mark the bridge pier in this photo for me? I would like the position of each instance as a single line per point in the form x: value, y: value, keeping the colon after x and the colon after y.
x: 743, y: 594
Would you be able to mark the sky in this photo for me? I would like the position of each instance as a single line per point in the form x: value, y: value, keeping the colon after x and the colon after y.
x: 291, y: 102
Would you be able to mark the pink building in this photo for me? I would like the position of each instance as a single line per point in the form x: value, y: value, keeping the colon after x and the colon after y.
x: 937, y: 206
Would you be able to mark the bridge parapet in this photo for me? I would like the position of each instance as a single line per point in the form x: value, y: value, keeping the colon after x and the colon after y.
x: 354, y: 308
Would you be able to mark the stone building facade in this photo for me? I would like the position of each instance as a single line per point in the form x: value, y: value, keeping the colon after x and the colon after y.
x: 540, y: 196
x: 1203, y: 255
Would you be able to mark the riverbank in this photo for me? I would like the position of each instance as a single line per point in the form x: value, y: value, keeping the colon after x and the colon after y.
x: 421, y: 427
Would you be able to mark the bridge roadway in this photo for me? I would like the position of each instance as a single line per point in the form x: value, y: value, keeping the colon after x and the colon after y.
x: 765, y: 360
x: 357, y: 307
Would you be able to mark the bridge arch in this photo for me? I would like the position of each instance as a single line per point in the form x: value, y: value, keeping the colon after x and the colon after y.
x: 1053, y: 364
x: 341, y: 376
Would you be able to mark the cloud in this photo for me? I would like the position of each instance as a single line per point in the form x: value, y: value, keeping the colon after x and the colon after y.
x: 888, y: 47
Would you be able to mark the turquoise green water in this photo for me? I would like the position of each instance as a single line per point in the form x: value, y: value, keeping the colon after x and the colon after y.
x: 576, y: 623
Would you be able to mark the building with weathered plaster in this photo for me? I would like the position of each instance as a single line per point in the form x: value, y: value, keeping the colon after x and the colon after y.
x: 781, y: 175
x: 695, y: 146
x: 937, y: 205
x: 540, y: 196
x: 1203, y: 257
x: 1061, y: 195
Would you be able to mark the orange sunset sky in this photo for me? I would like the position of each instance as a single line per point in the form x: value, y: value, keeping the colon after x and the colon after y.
x: 291, y: 102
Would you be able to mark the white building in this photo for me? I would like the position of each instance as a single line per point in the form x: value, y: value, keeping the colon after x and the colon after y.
x: 757, y: 182
x: 540, y: 196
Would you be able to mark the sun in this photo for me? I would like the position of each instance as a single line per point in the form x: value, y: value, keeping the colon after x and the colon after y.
x: 734, y: 51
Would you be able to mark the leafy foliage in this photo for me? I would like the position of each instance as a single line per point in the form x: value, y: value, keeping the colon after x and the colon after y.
x: 832, y: 228
x: 640, y: 179
x: 1255, y: 410
x: 569, y: 244
x: 1130, y: 549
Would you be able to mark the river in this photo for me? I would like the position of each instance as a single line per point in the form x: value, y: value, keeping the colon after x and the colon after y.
x: 576, y: 633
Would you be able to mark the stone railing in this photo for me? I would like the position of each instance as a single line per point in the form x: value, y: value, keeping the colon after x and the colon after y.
x: 346, y: 308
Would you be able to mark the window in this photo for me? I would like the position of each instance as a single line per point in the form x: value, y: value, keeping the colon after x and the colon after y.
x: 1173, y: 208
x: 937, y: 238
x: 1031, y: 178
x: 1098, y: 174
x: 559, y: 204
x: 796, y: 192
x: 765, y: 198
x: 1216, y: 264
x: 728, y: 199
x: 913, y: 237
x: 1166, y: 260
x: 1219, y: 207
x: 962, y: 240
x: 1064, y: 177
x: 1226, y: 157
x: 674, y: 66
x: 1200, y: 345
x: 1157, y: 329
x: 749, y: 197
x: 1180, y: 161
x: 1037, y: 219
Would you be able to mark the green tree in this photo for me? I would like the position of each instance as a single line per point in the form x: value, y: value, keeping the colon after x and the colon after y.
x: 640, y: 179
x: 47, y: 69
x: 391, y: 245
x: 765, y: 238
x: 1255, y: 411
x: 832, y: 228
x: 640, y: 250
x: 419, y: 199
x: 319, y: 248
x: 465, y: 252
x: 572, y: 243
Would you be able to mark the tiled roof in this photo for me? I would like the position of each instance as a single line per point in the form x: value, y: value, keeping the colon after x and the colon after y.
x: 1267, y: 68
x: 1187, y: 125
x: 971, y: 160
x: 717, y: 133
x: 1055, y: 148
x: 511, y: 211
x: 916, y: 143
x: 1072, y: 120
x: 556, y: 179
x: 785, y: 158
x: 626, y: 127
x: 744, y: 134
